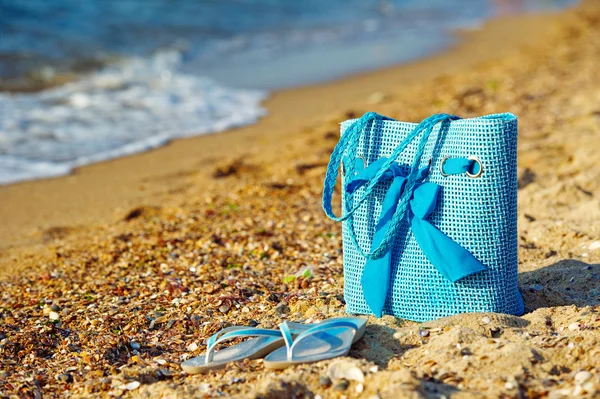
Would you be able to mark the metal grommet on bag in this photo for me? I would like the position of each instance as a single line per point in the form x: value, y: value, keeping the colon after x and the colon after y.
x: 442, y: 166
x: 479, y: 172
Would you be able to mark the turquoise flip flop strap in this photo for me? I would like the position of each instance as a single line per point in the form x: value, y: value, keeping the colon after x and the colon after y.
x: 449, y: 258
x: 242, y: 331
x: 235, y: 332
x: 291, y: 343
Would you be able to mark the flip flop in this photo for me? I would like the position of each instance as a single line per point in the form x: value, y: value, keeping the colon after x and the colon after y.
x: 266, y: 341
x: 328, y: 339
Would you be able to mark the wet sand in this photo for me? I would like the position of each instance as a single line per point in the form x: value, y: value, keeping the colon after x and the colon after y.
x: 115, y: 274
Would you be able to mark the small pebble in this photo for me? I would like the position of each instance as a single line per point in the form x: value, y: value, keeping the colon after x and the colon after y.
x: 135, y: 345
x: 132, y: 385
x: 66, y: 377
x: 377, y: 97
x: 341, y: 385
x: 55, y: 308
x: 486, y: 320
x: 282, y: 308
x: 3, y: 374
x: 495, y: 331
x: 582, y: 377
x: 424, y: 333
x: 360, y: 388
x: 574, y: 326
x: 325, y: 381
x: 54, y: 316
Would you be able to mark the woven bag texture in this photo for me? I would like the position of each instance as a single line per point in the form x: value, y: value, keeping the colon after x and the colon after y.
x: 480, y: 214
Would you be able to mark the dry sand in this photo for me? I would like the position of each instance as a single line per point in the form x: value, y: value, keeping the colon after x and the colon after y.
x: 117, y: 273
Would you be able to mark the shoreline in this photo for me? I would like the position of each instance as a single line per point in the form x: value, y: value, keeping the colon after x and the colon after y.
x: 99, y: 193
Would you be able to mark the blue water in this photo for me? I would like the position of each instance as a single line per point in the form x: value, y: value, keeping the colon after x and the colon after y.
x: 145, y: 71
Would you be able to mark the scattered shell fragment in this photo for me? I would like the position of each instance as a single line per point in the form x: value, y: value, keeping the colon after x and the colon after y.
x: 360, y: 388
x: 204, y: 387
x: 345, y: 370
x: 582, y: 377
x: 224, y: 308
x: 574, y: 326
x: 192, y: 347
x: 132, y: 385
x: 594, y: 246
x: 53, y: 316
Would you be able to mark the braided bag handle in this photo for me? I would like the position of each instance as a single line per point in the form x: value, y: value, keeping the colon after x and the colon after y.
x: 349, y: 142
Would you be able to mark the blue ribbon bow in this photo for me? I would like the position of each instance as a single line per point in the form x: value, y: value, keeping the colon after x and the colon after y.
x: 449, y: 258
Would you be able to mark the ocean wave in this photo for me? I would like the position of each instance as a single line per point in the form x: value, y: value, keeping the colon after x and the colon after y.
x: 128, y: 107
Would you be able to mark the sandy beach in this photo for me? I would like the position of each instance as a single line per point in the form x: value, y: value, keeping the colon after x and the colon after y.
x: 111, y: 276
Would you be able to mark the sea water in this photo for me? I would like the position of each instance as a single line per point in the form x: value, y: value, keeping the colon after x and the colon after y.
x: 86, y: 81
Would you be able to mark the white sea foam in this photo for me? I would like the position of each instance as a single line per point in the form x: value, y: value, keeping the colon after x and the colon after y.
x: 128, y: 107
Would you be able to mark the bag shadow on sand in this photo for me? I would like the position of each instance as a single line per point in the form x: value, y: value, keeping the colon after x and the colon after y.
x: 567, y: 282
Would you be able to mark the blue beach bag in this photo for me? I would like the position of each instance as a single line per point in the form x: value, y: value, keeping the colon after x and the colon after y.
x: 429, y: 215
